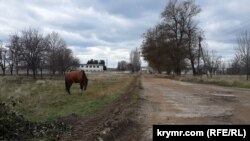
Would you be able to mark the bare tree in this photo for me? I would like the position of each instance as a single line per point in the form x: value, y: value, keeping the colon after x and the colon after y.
x: 174, y: 41
x: 193, y: 44
x: 55, y: 44
x: 122, y: 66
x: 14, y: 49
x: 222, y: 67
x: 135, y: 60
x: 211, y: 61
x: 177, y: 17
x: 10, y: 61
x: 243, y: 51
x: 157, y: 49
x: 66, y: 60
x: 236, y: 65
x: 3, y: 53
x: 33, y: 48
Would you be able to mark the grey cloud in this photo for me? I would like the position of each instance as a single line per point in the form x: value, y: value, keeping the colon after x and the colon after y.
x: 222, y: 21
x: 95, y: 28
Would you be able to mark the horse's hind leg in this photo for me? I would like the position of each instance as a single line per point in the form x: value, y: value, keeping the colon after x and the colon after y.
x: 69, y: 85
x: 81, y: 86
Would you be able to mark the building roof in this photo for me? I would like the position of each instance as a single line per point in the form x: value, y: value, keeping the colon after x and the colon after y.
x: 91, y: 64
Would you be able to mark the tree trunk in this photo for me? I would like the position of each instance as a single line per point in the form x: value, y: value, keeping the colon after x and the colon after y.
x: 191, y: 55
x: 193, y: 68
x: 247, y: 67
x: 159, y: 70
x: 53, y: 71
x: 28, y: 71
x: 3, y: 69
x: 178, y: 68
x: 34, y: 73
x: 199, y: 55
x: 41, y: 73
x: 16, y: 68
x: 11, y: 70
x: 168, y: 72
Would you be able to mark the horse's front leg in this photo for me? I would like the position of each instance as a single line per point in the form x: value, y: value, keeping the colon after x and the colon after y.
x: 81, y: 86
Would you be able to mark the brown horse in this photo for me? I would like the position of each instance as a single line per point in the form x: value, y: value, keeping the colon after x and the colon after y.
x: 76, y: 77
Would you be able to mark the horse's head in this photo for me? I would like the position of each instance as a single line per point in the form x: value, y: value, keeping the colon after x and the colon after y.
x: 86, y: 83
x: 85, y: 80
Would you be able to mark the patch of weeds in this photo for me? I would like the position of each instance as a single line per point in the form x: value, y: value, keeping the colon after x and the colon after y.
x: 226, y: 81
x: 13, y: 126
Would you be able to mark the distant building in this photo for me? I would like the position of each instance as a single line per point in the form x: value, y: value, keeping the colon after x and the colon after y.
x: 145, y: 69
x: 92, y: 67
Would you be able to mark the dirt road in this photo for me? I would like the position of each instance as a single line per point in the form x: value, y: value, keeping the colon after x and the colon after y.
x: 166, y: 101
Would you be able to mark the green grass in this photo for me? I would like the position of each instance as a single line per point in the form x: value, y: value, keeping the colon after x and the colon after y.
x: 46, y: 100
x: 223, y: 80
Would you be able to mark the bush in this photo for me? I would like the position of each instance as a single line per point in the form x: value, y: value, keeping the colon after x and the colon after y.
x: 13, y: 126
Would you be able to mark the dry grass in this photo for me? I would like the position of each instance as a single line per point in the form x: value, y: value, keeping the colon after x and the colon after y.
x: 46, y: 100
x: 221, y: 80
x: 117, y: 121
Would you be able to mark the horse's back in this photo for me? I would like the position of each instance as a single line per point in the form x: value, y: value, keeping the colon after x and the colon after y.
x: 73, y: 76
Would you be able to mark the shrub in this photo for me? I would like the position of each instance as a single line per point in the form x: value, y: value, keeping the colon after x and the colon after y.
x: 13, y: 126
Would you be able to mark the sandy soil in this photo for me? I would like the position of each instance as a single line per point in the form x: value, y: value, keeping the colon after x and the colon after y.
x: 166, y: 101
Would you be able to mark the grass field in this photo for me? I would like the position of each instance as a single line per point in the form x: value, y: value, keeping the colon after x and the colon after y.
x: 221, y: 80
x: 47, y: 100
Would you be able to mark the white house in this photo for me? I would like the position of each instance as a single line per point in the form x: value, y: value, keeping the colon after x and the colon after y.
x: 92, y: 67
x: 145, y: 69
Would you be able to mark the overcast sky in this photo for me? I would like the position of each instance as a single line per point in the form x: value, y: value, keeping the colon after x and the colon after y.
x: 109, y: 29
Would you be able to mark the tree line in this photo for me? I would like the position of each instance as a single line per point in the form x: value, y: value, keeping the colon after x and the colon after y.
x: 177, y: 43
x: 134, y: 65
x: 32, y: 51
